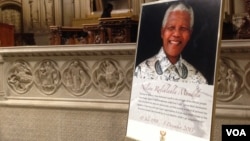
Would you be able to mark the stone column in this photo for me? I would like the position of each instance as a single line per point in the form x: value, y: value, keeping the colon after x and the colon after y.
x: 58, y: 12
x: 82, y: 8
x: 86, y: 10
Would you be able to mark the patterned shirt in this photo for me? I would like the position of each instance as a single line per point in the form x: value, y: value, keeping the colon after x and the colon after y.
x: 159, y: 67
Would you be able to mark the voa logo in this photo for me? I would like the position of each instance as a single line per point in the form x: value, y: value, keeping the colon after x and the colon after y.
x: 236, y: 132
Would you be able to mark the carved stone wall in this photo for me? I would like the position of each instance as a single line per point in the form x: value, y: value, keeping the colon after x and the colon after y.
x: 86, y: 73
x: 233, y: 79
x: 82, y: 92
x: 233, y: 95
x: 65, y: 92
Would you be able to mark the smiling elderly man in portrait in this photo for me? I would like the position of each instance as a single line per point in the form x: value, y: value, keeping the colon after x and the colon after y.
x: 168, y: 63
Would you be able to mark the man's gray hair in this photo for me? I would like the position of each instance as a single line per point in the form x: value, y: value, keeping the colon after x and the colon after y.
x: 179, y: 6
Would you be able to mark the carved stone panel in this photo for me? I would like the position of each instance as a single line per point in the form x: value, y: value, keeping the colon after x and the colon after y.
x: 47, y: 76
x: 20, y: 77
x: 76, y: 77
x: 129, y: 74
x: 108, y: 77
x: 247, y: 76
x: 230, y: 80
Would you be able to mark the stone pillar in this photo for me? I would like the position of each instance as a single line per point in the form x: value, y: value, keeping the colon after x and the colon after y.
x: 86, y: 10
x: 82, y: 8
x: 58, y: 12
x: 228, y: 7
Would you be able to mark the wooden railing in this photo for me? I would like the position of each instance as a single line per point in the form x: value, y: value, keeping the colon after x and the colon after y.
x: 107, y: 30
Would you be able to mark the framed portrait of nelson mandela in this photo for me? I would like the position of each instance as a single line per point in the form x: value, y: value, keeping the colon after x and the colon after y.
x: 172, y: 96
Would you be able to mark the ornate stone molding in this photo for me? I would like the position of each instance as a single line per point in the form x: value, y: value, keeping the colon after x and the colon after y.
x: 69, y: 50
x: 65, y: 75
x: 233, y: 80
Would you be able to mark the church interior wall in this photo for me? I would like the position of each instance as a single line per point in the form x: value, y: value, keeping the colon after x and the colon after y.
x: 40, y: 115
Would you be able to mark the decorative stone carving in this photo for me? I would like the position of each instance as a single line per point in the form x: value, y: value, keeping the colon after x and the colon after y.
x: 20, y: 77
x: 229, y: 79
x: 47, y: 77
x: 129, y: 74
x: 247, y: 76
x: 108, y: 77
x: 76, y: 77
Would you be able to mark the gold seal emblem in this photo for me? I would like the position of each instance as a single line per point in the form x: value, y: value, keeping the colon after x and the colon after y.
x: 163, y: 134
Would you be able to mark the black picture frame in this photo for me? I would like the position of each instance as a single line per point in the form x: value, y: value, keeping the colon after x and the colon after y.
x: 201, y: 49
